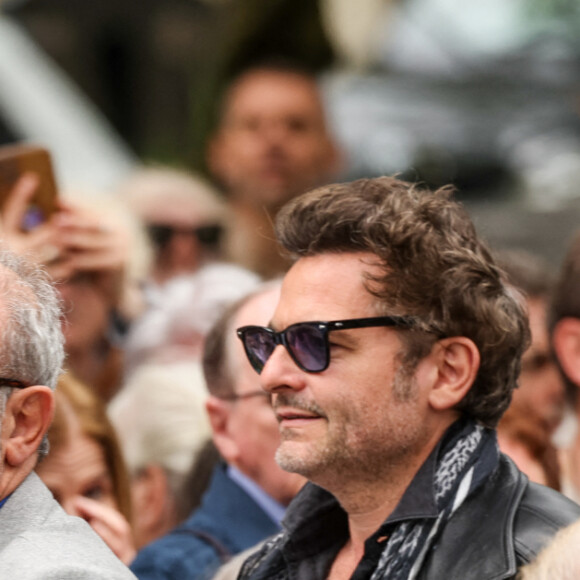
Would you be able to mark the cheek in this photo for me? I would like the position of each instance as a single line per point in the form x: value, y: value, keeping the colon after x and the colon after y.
x: 243, y: 149
x: 109, y: 499
x: 261, y: 431
x: 310, y: 153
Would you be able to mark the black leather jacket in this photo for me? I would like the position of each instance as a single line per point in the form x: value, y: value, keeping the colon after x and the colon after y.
x: 499, y: 529
x: 492, y: 534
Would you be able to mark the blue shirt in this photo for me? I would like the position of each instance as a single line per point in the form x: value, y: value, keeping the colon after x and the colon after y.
x: 228, y: 515
x: 272, y: 507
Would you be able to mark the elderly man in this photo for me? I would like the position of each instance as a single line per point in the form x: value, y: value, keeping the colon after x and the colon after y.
x: 247, y: 494
x: 37, y: 539
x: 390, y: 358
x: 272, y: 143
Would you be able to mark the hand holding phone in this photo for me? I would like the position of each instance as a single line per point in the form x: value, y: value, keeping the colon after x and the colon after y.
x: 21, y: 160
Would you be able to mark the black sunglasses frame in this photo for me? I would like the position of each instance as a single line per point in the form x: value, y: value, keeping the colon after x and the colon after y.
x: 12, y: 383
x: 208, y: 235
x: 324, y: 328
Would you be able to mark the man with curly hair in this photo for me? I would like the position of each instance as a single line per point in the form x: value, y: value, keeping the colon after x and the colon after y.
x: 390, y: 358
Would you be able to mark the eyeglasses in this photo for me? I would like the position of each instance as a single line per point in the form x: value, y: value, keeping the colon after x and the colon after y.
x: 306, y: 342
x: 242, y: 396
x: 12, y: 383
x: 207, y: 235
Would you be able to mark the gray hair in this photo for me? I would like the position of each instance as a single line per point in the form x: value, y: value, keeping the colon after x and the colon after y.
x: 183, y: 313
x: 32, y: 342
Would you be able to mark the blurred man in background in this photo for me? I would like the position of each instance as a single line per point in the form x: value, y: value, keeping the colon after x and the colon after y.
x: 247, y: 494
x: 271, y: 144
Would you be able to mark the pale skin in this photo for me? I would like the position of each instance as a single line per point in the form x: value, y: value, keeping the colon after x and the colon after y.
x: 334, y: 424
x: 245, y: 430
x: 26, y: 419
x: 272, y: 142
x: 72, y: 240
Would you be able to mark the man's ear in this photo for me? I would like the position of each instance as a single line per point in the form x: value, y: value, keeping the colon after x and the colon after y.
x: 29, y: 412
x: 566, y: 343
x: 219, y: 411
x: 456, y: 361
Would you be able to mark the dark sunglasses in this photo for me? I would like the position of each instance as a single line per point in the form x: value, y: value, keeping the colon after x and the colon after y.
x: 207, y: 235
x: 306, y: 342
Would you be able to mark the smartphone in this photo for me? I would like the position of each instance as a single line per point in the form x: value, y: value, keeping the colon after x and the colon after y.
x: 16, y: 160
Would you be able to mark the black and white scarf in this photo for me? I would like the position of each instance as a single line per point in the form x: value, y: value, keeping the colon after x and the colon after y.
x: 467, y: 457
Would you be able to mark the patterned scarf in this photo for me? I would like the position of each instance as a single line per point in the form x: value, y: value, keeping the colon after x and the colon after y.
x: 468, y: 455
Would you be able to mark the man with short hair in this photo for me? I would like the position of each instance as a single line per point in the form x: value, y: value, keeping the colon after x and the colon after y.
x: 272, y: 143
x: 38, y: 540
x: 390, y: 358
x: 248, y: 493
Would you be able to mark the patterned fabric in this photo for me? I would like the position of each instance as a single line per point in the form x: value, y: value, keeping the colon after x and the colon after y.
x: 466, y: 459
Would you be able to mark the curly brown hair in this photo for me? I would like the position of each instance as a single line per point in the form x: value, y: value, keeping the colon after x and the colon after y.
x: 434, y: 268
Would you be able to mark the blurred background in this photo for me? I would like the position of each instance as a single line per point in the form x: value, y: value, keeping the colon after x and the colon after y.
x: 482, y: 95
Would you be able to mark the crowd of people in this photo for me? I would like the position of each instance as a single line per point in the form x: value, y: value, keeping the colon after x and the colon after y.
x: 277, y: 376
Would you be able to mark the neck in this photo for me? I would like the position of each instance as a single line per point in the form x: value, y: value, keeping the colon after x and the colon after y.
x: 366, y: 513
x: 370, y: 499
x: 12, y: 477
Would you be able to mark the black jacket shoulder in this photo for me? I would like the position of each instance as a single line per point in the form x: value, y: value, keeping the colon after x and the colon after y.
x: 541, y: 513
x: 499, y: 529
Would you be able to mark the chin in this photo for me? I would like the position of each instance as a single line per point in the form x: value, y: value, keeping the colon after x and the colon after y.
x: 293, y: 461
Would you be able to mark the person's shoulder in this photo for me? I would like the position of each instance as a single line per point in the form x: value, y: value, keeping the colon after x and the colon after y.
x: 541, y: 513
x: 72, y: 551
x: 503, y: 525
x: 39, y: 540
x: 183, y: 553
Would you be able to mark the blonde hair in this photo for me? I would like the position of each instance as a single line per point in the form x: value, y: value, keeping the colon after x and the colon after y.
x: 559, y: 560
x: 88, y: 409
x: 143, y: 191
x: 161, y: 419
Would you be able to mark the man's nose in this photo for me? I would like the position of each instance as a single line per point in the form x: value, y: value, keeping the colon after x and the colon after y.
x: 281, y: 372
x: 274, y: 132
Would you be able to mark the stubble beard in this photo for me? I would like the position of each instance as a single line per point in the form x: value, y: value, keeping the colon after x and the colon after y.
x: 372, y: 451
